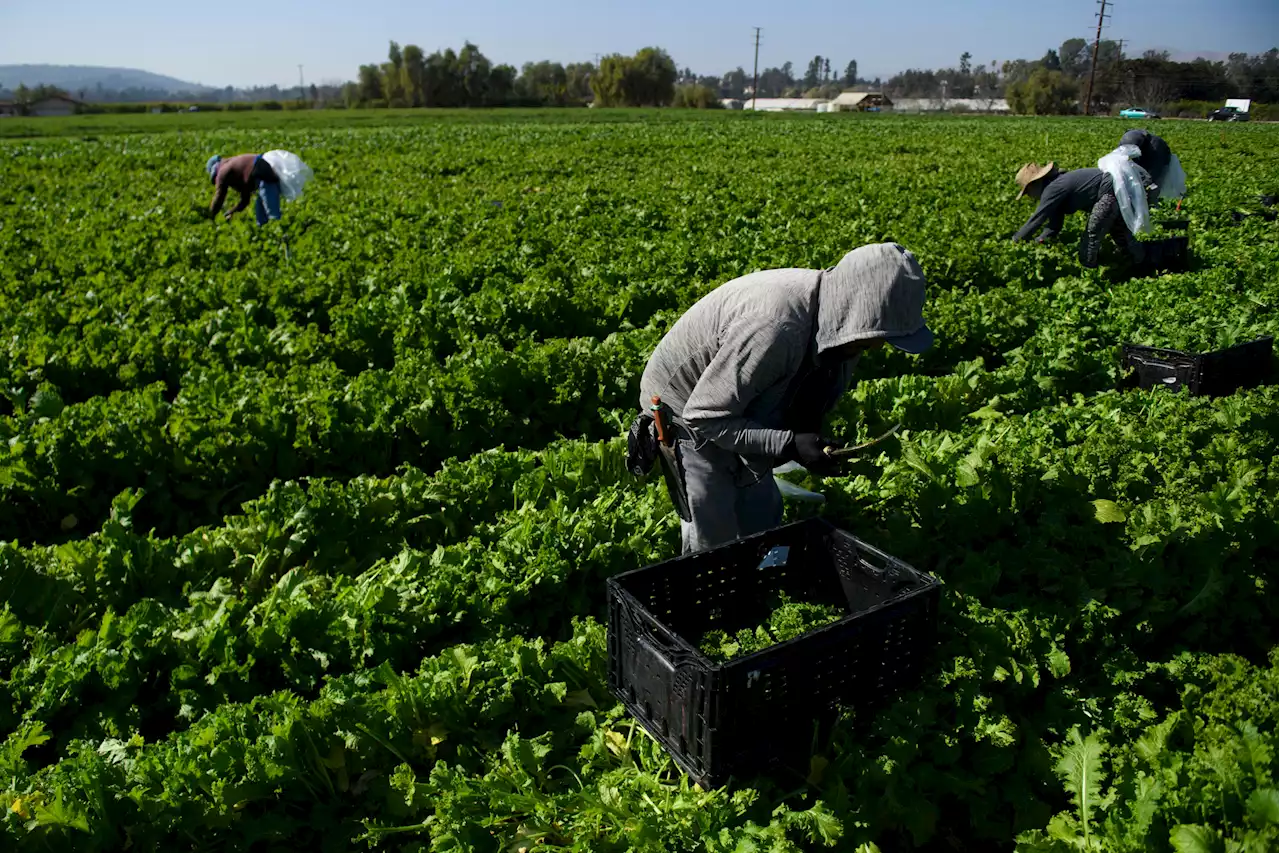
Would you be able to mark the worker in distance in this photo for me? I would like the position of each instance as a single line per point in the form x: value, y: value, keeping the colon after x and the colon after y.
x: 263, y: 179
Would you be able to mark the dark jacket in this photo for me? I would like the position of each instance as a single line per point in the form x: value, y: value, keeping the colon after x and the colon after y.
x: 241, y: 173
x: 1069, y: 192
x: 1155, y: 155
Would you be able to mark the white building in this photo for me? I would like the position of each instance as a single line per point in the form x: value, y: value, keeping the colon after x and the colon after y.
x: 860, y: 101
x: 779, y: 105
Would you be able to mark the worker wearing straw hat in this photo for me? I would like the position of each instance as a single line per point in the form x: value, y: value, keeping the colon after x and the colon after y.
x: 1061, y: 193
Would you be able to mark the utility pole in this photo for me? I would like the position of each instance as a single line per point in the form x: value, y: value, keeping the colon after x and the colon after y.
x: 302, y: 89
x: 1093, y: 66
x: 755, y: 71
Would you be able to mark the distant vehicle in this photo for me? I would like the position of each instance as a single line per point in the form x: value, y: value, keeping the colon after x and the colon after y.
x: 1228, y: 114
x: 193, y: 109
x: 1138, y: 112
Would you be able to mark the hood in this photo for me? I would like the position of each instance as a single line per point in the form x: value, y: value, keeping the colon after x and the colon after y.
x: 874, y: 292
x: 211, y: 166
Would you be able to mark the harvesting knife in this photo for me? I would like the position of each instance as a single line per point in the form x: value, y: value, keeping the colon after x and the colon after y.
x: 845, y: 452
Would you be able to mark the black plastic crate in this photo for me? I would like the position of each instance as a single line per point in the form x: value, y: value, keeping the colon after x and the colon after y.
x: 1212, y: 374
x: 740, y: 716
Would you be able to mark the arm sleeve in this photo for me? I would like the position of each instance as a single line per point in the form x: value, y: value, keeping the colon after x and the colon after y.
x: 1047, y: 214
x: 754, y: 357
x: 1053, y: 227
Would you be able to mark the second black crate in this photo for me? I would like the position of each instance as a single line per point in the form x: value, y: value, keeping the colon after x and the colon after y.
x: 1211, y: 374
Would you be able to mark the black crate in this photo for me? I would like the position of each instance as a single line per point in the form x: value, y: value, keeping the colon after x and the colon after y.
x: 1211, y: 374
x: 740, y: 716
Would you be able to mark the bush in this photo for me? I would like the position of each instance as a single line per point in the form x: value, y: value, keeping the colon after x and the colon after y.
x: 697, y: 97
x: 1189, y: 109
x: 1264, y: 112
x: 1046, y: 93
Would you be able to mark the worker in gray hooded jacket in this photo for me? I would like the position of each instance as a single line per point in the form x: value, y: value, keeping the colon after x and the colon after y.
x: 746, y: 375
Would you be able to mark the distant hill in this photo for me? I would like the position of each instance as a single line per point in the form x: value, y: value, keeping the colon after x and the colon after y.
x: 74, y: 78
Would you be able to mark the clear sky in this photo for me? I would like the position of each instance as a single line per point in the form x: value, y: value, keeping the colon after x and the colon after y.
x: 243, y: 44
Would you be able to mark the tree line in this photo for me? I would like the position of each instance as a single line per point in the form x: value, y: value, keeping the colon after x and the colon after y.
x: 1058, y: 82
x: 467, y: 78
x: 1054, y: 84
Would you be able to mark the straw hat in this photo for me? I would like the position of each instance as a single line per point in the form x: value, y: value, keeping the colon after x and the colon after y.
x: 1029, y: 174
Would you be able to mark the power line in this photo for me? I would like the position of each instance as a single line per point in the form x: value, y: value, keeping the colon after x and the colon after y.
x: 1093, y: 66
x: 755, y: 71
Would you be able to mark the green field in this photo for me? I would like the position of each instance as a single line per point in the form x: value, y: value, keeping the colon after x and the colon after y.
x: 310, y: 553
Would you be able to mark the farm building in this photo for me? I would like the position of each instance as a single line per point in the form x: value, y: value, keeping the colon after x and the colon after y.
x: 8, y: 108
x: 777, y: 105
x: 860, y: 101
x: 54, y: 105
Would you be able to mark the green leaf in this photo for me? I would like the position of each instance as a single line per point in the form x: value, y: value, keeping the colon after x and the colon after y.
x: 46, y: 403
x: 1108, y: 512
x: 1059, y: 663
x: 1193, y: 838
x: 1081, y: 770
x: 987, y: 413
x: 1263, y: 807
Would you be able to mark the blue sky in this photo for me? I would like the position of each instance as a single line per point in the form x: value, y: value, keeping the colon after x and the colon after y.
x: 242, y: 44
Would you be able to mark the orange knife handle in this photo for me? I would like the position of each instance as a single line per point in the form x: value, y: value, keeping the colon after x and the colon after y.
x: 656, y: 407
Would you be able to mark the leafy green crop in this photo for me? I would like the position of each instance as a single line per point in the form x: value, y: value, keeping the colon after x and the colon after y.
x: 310, y: 554
x: 787, y: 620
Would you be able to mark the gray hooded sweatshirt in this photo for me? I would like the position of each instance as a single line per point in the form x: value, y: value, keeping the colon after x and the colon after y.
x: 725, y: 367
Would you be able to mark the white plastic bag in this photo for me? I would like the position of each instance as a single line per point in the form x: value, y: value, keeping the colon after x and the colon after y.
x: 1173, y: 184
x: 790, y: 490
x: 292, y: 172
x: 1130, y: 188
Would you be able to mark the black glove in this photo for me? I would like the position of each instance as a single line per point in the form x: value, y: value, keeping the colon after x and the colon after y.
x: 809, y: 449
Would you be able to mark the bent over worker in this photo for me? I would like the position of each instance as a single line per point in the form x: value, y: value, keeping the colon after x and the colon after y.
x: 746, y: 375
x: 1062, y: 193
x: 1157, y: 160
x: 245, y: 173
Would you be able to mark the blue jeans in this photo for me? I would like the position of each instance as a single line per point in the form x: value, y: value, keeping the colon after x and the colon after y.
x: 268, y: 202
x: 267, y: 205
